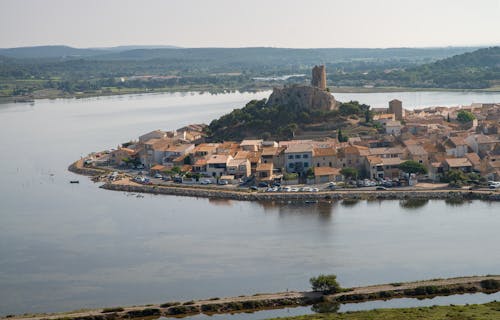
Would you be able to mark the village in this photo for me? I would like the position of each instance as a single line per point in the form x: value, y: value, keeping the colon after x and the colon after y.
x: 453, y: 148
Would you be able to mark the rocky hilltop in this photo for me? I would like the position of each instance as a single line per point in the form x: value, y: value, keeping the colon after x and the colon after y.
x: 302, y: 97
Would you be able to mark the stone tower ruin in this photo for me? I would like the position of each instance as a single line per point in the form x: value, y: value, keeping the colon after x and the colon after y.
x: 319, y: 77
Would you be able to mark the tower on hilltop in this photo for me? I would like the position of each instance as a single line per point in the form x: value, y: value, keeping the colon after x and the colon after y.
x: 319, y: 77
x: 396, y: 107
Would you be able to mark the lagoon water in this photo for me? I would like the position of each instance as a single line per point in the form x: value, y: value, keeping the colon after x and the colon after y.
x: 70, y: 246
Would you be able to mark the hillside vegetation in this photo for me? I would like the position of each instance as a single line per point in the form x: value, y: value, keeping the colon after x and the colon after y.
x: 55, y: 71
x: 259, y: 120
x: 472, y: 70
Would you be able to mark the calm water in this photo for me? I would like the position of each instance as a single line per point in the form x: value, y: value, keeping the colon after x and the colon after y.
x: 474, y: 298
x: 65, y: 246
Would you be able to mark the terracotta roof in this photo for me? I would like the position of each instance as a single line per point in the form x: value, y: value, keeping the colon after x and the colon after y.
x: 298, y: 148
x: 324, y: 152
x: 458, y: 162
x: 381, y: 151
x: 200, y: 162
x: 218, y: 158
x: 416, y: 150
x: 206, y: 147
x: 158, y: 167
x: 264, y: 167
x: 251, y: 142
x: 391, y: 161
x: 326, y: 171
x: 374, y: 160
x: 270, y: 151
x: 473, y: 158
x: 242, y: 155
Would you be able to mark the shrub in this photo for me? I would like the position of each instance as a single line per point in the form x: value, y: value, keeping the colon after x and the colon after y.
x: 113, y: 309
x: 325, y: 283
x: 490, y: 284
x: 169, y: 304
x: 187, y: 303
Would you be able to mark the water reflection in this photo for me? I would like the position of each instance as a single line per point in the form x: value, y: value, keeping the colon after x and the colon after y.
x: 413, y: 203
x: 456, y: 202
x: 349, y: 202
x: 326, y: 307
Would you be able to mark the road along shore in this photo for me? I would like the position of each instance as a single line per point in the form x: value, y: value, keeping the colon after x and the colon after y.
x: 126, y: 185
x: 419, y: 289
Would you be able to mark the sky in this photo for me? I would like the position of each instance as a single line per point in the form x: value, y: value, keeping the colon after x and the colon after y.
x: 243, y: 23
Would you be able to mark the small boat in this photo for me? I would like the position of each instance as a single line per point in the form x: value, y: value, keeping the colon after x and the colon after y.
x: 311, y: 201
x: 74, y: 181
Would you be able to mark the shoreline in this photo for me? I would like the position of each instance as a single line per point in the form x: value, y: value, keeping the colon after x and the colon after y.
x: 247, y: 195
x: 266, y: 301
x: 333, y: 90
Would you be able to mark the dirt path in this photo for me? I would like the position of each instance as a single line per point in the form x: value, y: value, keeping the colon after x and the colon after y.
x: 98, y: 314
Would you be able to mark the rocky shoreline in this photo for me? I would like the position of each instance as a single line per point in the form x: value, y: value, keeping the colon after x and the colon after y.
x: 200, y: 192
x: 256, y: 302
x: 246, y: 195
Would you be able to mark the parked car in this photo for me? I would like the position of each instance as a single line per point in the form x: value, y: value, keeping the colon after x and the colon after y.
x: 177, y: 179
x: 381, y: 188
x: 158, y: 176
x: 263, y: 184
x: 223, y: 182
x: 205, y: 181
x: 254, y: 188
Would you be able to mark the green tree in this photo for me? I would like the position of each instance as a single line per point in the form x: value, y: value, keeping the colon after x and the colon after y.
x: 411, y: 166
x: 310, y: 173
x: 455, y: 178
x: 465, y: 116
x: 325, y: 283
x: 341, y: 137
x: 349, y: 173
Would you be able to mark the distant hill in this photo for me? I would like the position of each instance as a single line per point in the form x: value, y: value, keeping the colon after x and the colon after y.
x: 286, y: 56
x: 48, y: 52
x: 472, y: 70
x: 59, y: 51
x: 247, y: 56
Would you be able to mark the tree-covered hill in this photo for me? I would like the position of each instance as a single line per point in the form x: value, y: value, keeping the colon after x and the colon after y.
x: 473, y: 70
x: 260, y: 120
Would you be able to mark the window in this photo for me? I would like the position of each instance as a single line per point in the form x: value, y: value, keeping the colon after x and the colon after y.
x: 290, y: 165
x: 317, y: 165
x: 290, y: 157
x: 305, y: 156
x: 306, y: 164
x: 297, y: 156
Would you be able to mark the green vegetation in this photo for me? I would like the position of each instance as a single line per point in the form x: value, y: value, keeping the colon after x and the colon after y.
x: 473, y: 70
x: 325, y: 283
x: 56, y: 71
x: 458, y: 178
x: 490, y: 284
x: 350, y: 173
x: 112, y: 309
x: 488, y: 311
x: 411, y: 166
x: 258, y: 118
x: 465, y: 116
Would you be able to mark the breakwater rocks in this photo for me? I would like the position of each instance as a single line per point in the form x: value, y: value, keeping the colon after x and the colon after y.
x: 78, y: 168
x: 452, y: 195
x: 420, y: 289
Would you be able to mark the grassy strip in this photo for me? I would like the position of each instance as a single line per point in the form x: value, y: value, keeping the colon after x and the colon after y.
x: 487, y: 311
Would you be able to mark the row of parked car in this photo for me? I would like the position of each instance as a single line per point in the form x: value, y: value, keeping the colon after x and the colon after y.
x: 387, y: 183
x: 291, y: 189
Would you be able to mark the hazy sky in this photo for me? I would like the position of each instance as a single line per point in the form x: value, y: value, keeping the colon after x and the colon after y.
x: 233, y: 23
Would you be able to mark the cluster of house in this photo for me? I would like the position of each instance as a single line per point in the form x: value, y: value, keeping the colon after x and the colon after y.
x: 430, y: 136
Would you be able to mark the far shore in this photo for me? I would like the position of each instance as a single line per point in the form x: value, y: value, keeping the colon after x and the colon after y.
x: 205, y: 89
x: 265, y: 301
